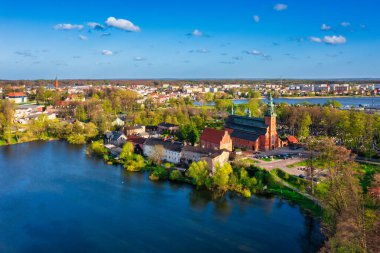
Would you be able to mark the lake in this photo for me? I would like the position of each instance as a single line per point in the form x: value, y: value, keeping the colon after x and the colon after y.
x: 345, y: 101
x: 54, y: 198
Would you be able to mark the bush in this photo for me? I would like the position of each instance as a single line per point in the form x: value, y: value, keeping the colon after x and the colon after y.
x: 98, y: 149
x: 176, y: 175
x: 134, y: 163
x: 76, y: 139
x: 159, y: 173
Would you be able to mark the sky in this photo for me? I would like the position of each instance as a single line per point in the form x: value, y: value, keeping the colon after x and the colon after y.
x: 189, y: 39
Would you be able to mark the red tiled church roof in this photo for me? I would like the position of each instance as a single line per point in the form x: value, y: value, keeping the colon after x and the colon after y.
x: 212, y: 135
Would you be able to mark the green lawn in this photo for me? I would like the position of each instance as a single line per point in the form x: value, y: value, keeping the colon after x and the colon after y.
x: 269, y: 159
x: 299, y: 183
x: 366, y: 172
x: 317, y: 164
x: 295, y: 197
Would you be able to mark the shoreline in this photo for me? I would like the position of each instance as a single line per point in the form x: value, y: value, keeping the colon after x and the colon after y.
x: 11, y: 144
x: 311, y: 97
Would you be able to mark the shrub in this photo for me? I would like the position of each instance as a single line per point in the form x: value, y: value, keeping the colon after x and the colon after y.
x: 176, y: 175
x: 98, y: 149
x: 159, y: 173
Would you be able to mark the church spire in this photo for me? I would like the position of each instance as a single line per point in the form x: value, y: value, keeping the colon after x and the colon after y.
x: 270, y: 112
x: 56, y: 82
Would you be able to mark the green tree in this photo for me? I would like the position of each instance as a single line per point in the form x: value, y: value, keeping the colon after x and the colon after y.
x: 199, y: 172
x: 304, y: 127
x: 127, y: 151
x: 98, y: 148
x: 223, y: 104
x: 333, y: 103
x: 175, y: 175
x: 221, y: 176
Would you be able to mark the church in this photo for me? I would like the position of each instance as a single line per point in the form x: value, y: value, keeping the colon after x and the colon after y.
x: 257, y: 134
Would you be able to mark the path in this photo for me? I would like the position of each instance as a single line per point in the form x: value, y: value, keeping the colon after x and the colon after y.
x: 281, y: 164
x: 306, y: 195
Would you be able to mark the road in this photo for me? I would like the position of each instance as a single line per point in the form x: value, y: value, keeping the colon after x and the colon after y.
x: 282, y: 164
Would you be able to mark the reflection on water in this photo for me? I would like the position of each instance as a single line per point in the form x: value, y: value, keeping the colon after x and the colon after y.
x: 53, y: 198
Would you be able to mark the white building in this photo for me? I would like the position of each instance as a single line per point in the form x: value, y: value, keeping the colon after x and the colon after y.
x: 171, y: 151
x: 17, y: 97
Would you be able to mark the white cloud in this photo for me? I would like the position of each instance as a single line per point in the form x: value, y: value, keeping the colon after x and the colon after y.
x: 280, y: 7
x: 122, y: 24
x: 256, y: 18
x: 203, y: 51
x: 325, y: 27
x: 197, y: 33
x: 68, y: 27
x: 315, y: 39
x: 82, y: 37
x: 345, y: 24
x: 139, y: 58
x: 253, y: 52
x: 96, y: 26
x: 107, y: 52
x: 334, y: 40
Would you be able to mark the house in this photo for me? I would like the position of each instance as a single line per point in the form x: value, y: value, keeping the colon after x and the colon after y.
x: 134, y: 130
x: 151, y: 129
x: 113, y: 150
x: 116, y: 138
x: 118, y: 122
x: 254, y: 133
x: 17, y: 97
x: 167, y: 127
x: 138, y: 143
x: 216, y: 139
x: 212, y: 156
x: 23, y: 111
x: 171, y: 151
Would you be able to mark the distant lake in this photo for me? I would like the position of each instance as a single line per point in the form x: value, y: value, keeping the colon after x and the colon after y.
x: 54, y: 198
x: 345, y: 101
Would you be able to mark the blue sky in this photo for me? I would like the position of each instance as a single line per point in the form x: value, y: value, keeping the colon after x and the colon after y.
x: 189, y: 39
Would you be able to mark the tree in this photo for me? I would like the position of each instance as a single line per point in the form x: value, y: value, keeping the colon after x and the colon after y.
x: 221, y: 176
x: 342, y: 198
x: 159, y: 173
x: 199, y: 172
x: 223, y: 104
x: 127, y: 151
x: 304, y: 126
x: 98, y: 148
x: 333, y: 103
x: 255, y: 94
x: 134, y: 163
x: 188, y: 133
x: 209, y: 97
x: 157, y: 154
x: 254, y: 107
x: 80, y: 113
x: 175, y: 175
x: 7, y: 111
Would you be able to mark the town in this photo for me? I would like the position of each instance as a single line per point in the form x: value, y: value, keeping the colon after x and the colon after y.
x: 197, y: 135
x: 189, y: 126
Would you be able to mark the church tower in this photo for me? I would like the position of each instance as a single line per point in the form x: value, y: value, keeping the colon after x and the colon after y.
x: 270, y: 120
x: 56, y: 83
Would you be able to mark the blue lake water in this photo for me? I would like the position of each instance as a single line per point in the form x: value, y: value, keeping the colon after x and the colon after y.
x: 54, y: 198
x: 345, y: 101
